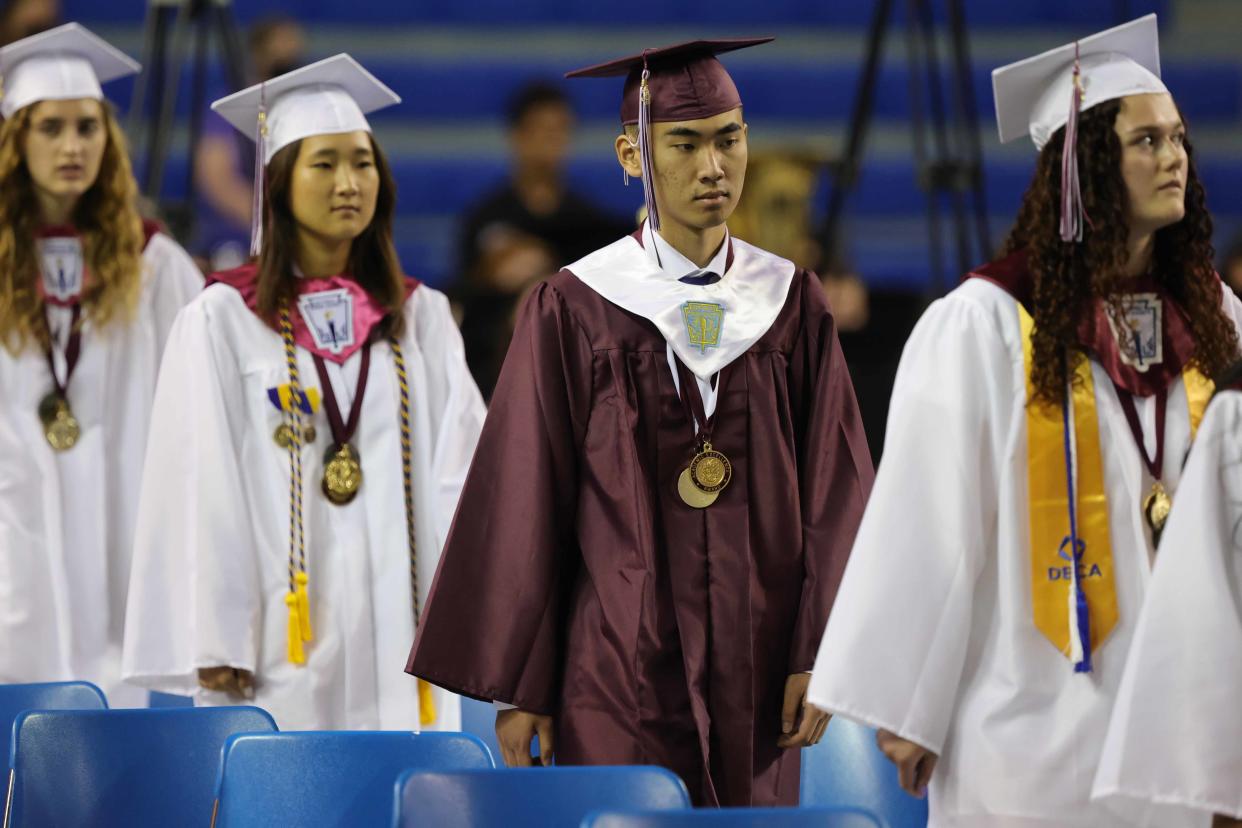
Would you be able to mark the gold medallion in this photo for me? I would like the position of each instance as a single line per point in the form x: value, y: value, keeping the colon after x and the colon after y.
x: 284, y: 435
x: 342, y: 474
x: 60, y: 427
x: 691, y: 494
x: 710, y: 471
x: 1156, y: 508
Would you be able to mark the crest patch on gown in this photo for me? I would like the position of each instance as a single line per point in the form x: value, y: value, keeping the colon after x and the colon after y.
x: 1142, y: 345
x: 60, y: 260
x: 704, y: 321
x: 329, y: 317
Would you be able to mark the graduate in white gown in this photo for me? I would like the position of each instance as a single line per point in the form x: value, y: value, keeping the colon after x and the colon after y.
x: 986, y: 612
x: 312, y: 428
x: 1176, y: 732
x: 88, y: 292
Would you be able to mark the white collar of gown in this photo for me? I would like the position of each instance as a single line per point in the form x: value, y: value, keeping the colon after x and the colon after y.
x: 643, y: 279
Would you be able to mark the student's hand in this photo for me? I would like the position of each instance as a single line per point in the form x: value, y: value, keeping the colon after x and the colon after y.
x: 802, y: 724
x: 239, y: 684
x: 915, y: 763
x: 515, y: 729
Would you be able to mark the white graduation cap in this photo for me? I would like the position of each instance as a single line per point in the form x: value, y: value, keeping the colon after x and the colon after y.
x: 64, y: 63
x: 327, y: 97
x: 1033, y: 96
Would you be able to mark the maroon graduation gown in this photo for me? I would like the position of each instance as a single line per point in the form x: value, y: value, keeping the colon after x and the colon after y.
x: 576, y: 583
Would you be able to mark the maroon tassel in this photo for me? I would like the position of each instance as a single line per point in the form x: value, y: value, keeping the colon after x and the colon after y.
x: 1073, y: 213
x: 644, y: 149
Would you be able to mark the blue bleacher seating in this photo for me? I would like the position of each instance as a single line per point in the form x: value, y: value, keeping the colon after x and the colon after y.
x: 557, y: 797
x: 846, y: 769
x: 737, y: 818
x: 52, y: 695
x: 108, y: 768
x: 322, y: 779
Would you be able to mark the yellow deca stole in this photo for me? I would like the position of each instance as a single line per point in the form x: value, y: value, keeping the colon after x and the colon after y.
x: 1052, y: 561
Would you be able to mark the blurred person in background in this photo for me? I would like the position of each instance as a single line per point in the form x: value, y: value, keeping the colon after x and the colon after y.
x: 509, y: 267
x: 88, y: 293
x: 1231, y: 265
x: 22, y: 18
x: 536, y: 200
x: 223, y: 167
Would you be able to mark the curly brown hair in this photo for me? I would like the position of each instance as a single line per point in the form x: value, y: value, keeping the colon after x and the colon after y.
x: 1068, y: 277
x: 106, y: 217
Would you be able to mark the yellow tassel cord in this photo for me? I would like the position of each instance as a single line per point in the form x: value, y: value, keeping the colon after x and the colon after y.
x: 304, y: 628
x: 297, y: 654
x: 426, y: 700
x: 426, y: 704
x: 297, y: 598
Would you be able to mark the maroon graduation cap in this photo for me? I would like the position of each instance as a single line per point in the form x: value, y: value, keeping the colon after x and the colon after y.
x: 682, y: 82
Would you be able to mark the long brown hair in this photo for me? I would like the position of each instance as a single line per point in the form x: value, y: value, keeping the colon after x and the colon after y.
x: 106, y: 217
x: 373, y: 261
x: 1068, y: 277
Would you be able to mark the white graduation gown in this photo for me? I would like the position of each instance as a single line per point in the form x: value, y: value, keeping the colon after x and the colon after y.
x: 67, y: 518
x: 932, y: 635
x: 212, y: 550
x: 1176, y: 731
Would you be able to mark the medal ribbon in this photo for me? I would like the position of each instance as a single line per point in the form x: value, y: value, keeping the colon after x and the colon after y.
x: 343, y: 432
x: 73, y: 350
x: 1155, y: 465
x: 692, y: 400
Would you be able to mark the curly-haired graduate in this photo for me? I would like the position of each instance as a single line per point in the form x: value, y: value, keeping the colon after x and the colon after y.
x: 1039, y: 422
x: 88, y: 292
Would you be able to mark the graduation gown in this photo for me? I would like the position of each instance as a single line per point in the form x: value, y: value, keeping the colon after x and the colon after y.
x: 1176, y: 731
x: 933, y: 636
x: 212, y: 549
x: 575, y: 581
x: 67, y: 518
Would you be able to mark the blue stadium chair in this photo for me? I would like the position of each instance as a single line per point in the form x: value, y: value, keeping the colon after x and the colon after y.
x: 558, y: 797
x: 846, y: 769
x: 107, y: 768
x: 737, y: 818
x: 52, y: 695
x: 325, y: 779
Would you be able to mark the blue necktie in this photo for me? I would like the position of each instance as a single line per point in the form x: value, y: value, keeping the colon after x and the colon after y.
x: 700, y: 278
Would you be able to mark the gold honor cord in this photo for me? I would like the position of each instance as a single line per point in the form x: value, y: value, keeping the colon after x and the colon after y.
x: 1055, y: 566
x: 298, y: 598
x: 426, y: 700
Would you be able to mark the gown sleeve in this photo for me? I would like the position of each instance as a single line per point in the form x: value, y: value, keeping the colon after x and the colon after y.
x: 176, y: 280
x: 493, y: 623
x: 458, y: 412
x: 194, y: 590
x: 897, y: 636
x: 835, y: 475
x: 1175, y: 736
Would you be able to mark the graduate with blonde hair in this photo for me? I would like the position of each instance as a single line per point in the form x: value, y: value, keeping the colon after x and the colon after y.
x: 88, y: 292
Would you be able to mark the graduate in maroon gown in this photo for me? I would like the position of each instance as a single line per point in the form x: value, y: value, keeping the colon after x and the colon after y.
x: 668, y: 482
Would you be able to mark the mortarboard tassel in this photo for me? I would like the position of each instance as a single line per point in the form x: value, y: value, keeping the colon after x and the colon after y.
x: 426, y: 704
x: 644, y: 148
x: 1073, y: 213
x: 260, y: 150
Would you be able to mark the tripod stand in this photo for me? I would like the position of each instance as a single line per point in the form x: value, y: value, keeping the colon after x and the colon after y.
x: 952, y: 167
x: 167, y: 46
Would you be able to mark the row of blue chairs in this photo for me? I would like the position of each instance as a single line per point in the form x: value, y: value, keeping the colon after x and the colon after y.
x: 74, y: 762
x: 722, y: 13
